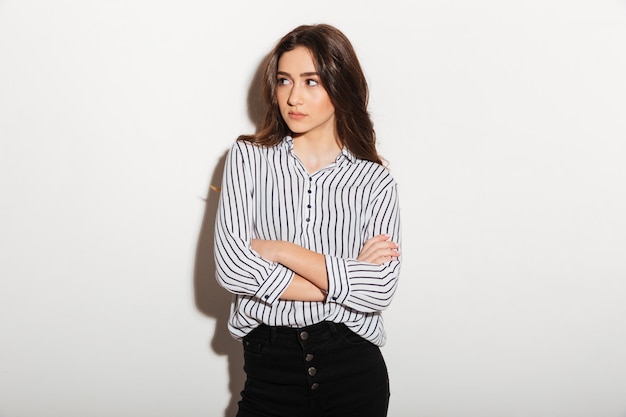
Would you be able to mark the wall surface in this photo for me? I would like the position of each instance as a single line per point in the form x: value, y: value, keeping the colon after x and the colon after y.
x: 503, y: 122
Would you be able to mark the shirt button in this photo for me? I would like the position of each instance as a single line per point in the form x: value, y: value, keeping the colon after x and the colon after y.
x: 315, y: 385
x: 309, y: 191
x: 308, y: 206
x: 308, y: 357
x: 308, y: 220
x: 304, y: 335
x: 312, y: 371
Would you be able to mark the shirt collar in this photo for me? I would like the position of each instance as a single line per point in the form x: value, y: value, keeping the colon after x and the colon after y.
x: 345, y: 153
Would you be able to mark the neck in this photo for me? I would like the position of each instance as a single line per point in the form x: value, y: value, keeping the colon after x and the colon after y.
x: 316, y: 153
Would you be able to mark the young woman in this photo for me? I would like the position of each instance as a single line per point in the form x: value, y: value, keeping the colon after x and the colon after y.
x: 307, y: 237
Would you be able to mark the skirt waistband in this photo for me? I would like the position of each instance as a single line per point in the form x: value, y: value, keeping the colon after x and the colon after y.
x: 325, y: 330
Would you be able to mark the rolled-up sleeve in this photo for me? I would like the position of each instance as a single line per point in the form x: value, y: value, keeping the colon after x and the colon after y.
x: 364, y: 286
x: 239, y: 269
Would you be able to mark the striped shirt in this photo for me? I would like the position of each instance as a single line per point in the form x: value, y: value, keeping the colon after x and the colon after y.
x: 268, y: 194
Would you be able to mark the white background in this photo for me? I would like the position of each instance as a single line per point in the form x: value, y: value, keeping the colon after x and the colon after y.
x: 503, y: 122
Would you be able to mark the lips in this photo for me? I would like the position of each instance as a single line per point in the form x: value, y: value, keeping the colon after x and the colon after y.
x: 296, y: 115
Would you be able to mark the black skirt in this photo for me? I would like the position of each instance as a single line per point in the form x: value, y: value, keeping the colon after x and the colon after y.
x: 321, y: 370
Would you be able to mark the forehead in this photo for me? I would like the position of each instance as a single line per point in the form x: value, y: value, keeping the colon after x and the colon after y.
x: 297, y: 60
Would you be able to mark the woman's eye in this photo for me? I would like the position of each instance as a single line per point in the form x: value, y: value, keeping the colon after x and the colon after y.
x: 312, y: 83
x: 282, y: 81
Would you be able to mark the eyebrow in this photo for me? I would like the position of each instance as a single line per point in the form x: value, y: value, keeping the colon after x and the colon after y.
x: 304, y: 74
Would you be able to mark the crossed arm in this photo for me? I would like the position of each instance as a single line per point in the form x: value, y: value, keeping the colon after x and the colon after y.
x: 310, y: 281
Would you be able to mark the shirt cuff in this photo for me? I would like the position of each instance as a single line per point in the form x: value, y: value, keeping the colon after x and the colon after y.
x: 338, y: 283
x: 276, y: 283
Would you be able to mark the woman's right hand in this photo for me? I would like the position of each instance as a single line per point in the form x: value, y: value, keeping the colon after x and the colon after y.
x: 378, y: 250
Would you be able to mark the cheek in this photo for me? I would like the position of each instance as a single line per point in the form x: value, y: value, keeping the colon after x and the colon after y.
x: 327, y: 106
x: 324, y: 103
x: 281, y: 100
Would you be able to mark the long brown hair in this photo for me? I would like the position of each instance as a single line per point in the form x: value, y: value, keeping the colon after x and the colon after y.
x: 342, y: 77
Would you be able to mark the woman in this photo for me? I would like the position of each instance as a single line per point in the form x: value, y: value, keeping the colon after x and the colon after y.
x: 307, y: 236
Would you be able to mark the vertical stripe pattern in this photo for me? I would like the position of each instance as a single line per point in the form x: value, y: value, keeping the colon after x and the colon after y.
x: 268, y: 194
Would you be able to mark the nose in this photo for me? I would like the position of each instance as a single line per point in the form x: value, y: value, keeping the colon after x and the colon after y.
x: 295, y: 96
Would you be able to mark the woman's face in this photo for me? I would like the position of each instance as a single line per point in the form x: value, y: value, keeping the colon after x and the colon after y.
x: 304, y: 104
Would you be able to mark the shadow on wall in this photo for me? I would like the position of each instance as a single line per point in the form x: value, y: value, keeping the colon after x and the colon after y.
x: 213, y: 300
x: 210, y: 298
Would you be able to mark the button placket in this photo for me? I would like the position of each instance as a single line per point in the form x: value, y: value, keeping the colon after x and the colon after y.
x: 309, y: 367
x: 309, y: 203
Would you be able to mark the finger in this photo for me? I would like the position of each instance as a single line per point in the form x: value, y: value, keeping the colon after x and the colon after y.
x: 373, y: 240
x: 381, y: 255
x: 384, y: 246
x: 386, y: 255
x: 377, y: 249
